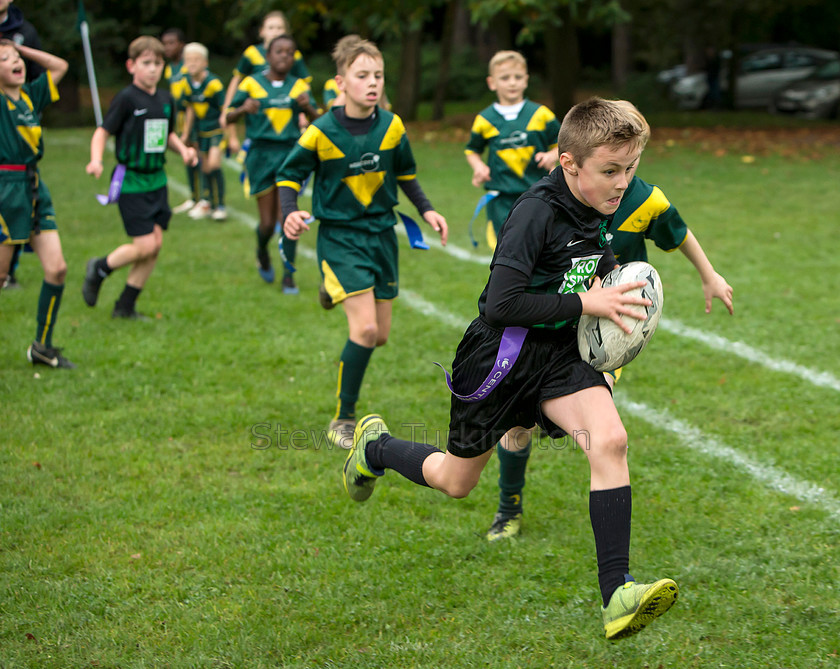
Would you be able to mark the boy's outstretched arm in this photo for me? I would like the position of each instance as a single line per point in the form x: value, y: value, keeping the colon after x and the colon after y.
x: 714, y: 285
x: 97, y: 149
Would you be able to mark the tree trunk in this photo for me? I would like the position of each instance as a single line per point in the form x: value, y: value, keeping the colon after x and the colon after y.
x: 408, y: 86
x: 446, y: 46
x: 562, y: 63
x: 621, y: 50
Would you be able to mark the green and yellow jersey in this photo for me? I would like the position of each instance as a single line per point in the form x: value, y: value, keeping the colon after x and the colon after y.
x: 356, y: 177
x: 206, y: 99
x: 330, y: 93
x: 21, y: 140
x: 512, y: 144
x: 276, y: 120
x: 644, y: 213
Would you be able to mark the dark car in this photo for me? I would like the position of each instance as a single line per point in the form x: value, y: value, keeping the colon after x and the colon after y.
x: 816, y: 96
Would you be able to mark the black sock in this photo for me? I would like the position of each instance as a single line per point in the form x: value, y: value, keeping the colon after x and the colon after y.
x: 128, y: 298
x: 609, y: 512
x: 404, y: 457
x: 102, y: 268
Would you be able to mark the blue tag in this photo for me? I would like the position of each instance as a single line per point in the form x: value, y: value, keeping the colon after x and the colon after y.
x: 415, y: 236
x: 290, y: 268
x: 482, y: 202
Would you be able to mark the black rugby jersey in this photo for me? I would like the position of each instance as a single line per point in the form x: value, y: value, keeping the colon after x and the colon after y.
x: 556, y: 241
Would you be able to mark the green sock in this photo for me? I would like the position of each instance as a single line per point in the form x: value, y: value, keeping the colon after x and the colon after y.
x: 217, y: 188
x: 194, y: 180
x: 512, y: 466
x: 48, y: 303
x: 290, y: 249
x: 351, y: 371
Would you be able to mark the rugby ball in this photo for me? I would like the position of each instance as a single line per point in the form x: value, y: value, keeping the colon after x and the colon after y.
x: 601, y: 342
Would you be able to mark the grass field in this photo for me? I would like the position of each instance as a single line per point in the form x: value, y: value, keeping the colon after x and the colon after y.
x: 172, y: 503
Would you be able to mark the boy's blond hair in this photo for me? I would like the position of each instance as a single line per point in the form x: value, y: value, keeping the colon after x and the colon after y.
x: 197, y: 48
x: 502, y: 57
x: 347, y: 54
x: 276, y: 14
x: 598, y: 122
x: 342, y: 45
x: 145, y: 43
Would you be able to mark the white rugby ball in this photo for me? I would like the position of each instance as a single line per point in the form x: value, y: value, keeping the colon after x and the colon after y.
x: 601, y: 342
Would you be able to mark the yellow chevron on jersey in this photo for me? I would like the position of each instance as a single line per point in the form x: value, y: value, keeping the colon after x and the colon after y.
x: 31, y: 133
x: 649, y: 210
x: 213, y: 87
x: 300, y: 87
x: 314, y: 139
x: 253, y: 54
x: 252, y: 87
x: 364, y: 186
x: 279, y: 118
x: 200, y: 108
x: 393, y: 136
x: 481, y: 126
x: 541, y: 118
x: 517, y: 160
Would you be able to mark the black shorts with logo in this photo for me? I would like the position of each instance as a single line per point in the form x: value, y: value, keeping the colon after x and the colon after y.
x: 141, y: 211
x: 549, y: 366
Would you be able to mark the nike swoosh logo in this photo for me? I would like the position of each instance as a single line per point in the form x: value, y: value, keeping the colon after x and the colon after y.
x: 577, y: 241
x: 140, y: 112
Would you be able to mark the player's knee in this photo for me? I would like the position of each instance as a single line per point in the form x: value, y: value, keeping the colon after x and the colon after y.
x: 147, y: 248
x: 459, y: 489
x: 613, y: 443
x: 56, y: 273
x: 369, y: 332
x: 381, y: 338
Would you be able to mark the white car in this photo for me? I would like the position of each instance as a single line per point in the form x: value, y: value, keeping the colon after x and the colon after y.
x: 760, y: 75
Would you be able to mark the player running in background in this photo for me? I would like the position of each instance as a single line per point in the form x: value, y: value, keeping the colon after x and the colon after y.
x: 202, y: 96
x: 520, y: 137
x: 27, y: 215
x: 360, y: 153
x: 252, y: 60
x: 270, y: 101
x: 142, y: 120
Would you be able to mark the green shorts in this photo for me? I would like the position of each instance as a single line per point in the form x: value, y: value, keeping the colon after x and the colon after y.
x: 261, y: 165
x: 499, y: 207
x: 207, y: 139
x: 16, y: 220
x: 354, y: 262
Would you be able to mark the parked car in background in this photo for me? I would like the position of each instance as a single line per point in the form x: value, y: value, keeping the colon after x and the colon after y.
x: 816, y: 96
x: 760, y: 74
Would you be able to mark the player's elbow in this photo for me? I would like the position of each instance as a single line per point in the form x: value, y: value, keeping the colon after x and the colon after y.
x: 494, y: 314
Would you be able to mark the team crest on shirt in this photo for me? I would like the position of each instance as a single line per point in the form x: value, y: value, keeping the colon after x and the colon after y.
x: 369, y: 162
x: 517, y: 138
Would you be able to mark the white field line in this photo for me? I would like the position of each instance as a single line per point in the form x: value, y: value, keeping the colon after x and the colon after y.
x: 815, y: 377
x: 687, y: 435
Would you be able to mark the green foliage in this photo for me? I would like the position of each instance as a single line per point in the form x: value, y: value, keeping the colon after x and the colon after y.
x: 535, y: 16
x: 144, y: 525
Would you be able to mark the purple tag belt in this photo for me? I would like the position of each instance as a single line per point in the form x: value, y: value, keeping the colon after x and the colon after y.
x: 509, y: 348
x: 116, y: 186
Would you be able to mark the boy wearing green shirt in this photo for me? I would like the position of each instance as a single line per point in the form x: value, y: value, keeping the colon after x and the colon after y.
x: 142, y: 120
